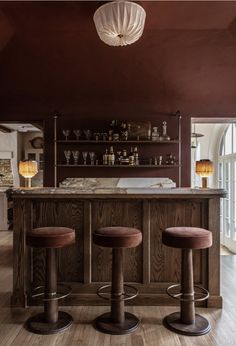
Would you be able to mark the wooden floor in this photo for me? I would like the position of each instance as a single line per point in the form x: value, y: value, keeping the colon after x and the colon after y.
x: 150, y: 333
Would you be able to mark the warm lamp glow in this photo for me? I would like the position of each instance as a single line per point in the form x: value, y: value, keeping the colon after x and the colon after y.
x: 28, y: 169
x: 204, y: 168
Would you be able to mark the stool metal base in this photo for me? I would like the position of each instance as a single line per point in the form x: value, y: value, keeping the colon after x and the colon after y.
x: 200, y: 327
x: 38, y: 325
x: 104, y: 324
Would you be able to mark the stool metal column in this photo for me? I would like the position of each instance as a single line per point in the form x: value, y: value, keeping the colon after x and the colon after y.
x: 117, y: 321
x: 186, y: 321
x: 51, y: 321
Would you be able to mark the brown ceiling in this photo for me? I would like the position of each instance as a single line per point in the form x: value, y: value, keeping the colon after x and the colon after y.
x: 51, y: 57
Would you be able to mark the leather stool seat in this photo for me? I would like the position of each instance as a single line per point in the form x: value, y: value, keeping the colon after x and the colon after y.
x: 117, y: 237
x: 50, y: 237
x: 187, y: 238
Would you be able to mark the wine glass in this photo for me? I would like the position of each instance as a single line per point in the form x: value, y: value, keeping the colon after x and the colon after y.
x: 85, y: 154
x: 77, y: 134
x: 87, y: 134
x: 96, y: 136
x: 67, y: 154
x: 92, y: 156
x: 66, y: 133
x: 75, y: 154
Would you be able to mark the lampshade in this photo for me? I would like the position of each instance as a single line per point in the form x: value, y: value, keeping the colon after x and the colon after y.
x: 204, y: 168
x: 119, y: 23
x: 28, y: 169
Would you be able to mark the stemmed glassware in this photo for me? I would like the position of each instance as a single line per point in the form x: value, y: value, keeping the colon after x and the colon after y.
x: 92, y: 157
x: 85, y: 154
x: 75, y: 154
x: 67, y: 154
x: 77, y: 134
x: 87, y: 134
x: 66, y: 133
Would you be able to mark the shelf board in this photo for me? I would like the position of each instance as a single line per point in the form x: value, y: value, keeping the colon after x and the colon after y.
x: 70, y: 141
x: 118, y: 166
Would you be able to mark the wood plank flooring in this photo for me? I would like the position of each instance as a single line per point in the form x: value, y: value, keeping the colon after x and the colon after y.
x: 151, y: 332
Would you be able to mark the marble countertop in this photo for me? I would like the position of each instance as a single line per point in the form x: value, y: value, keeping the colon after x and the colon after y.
x: 116, y: 191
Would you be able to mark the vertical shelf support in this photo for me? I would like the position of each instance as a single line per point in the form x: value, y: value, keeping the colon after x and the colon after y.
x: 180, y: 146
x: 55, y: 150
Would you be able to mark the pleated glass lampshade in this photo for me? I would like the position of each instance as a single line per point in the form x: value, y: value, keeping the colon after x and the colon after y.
x: 120, y: 23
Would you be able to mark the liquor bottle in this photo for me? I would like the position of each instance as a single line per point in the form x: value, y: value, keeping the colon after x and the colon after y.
x: 124, y: 131
x: 110, y: 131
x: 111, y: 157
x: 116, y: 134
x: 105, y: 157
x: 136, y: 156
x: 155, y: 134
x: 131, y: 157
x: 118, y: 157
x: 125, y: 158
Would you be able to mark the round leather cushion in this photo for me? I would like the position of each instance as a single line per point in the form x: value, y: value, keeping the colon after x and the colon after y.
x: 50, y: 237
x: 117, y: 237
x: 187, y: 237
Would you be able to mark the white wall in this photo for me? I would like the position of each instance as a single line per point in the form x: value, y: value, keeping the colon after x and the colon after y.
x: 209, y: 147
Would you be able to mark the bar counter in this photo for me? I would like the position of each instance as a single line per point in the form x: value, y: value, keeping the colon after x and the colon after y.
x: 151, y: 267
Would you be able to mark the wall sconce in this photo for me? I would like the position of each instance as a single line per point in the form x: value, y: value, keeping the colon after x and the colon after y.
x: 28, y: 169
x: 204, y: 168
x: 194, y: 137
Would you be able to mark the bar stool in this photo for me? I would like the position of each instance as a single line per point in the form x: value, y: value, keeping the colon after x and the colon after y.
x: 117, y: 321
x: 186, y: 321
x: 51, y: 321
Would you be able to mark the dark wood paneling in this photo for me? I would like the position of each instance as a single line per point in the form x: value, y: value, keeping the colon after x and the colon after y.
x: 151, y: 266
x: 116, y: 213
x: 22, y: 254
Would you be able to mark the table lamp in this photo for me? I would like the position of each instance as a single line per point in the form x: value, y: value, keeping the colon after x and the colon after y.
x: 28, y: 169
x: 204, y: 168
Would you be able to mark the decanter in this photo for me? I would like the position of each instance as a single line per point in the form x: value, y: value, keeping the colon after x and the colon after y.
x: 164, y: 136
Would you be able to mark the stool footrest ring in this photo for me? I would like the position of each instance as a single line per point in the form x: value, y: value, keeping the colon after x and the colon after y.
x: 124, y: 296
x: 62, y: 292
x: 203, y: 292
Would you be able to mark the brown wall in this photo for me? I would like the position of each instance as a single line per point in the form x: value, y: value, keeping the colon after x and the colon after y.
x: 54, y: 60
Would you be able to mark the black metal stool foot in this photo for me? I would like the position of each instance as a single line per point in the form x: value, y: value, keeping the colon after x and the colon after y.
x: 104, y: 324
x: 38, y: 325
x: 200, y: 327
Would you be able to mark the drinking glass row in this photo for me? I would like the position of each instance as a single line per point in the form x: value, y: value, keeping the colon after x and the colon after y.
x: 87, y: 134
x: 75, y: 154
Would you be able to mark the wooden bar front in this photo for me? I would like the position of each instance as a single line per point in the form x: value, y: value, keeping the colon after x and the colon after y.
x: 151, y: 267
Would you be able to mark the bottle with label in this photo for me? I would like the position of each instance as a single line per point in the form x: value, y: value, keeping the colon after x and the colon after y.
x: 136, y: 156
x: 116, y: 134
x: 105, y: 157
x: 125, y: 158
x: 124, y: 132
x: 111, y: 156
x: 131, y: 157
